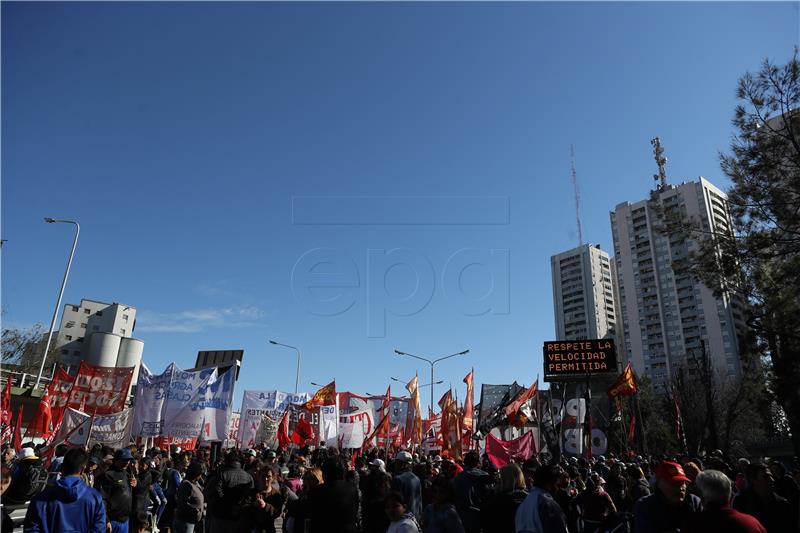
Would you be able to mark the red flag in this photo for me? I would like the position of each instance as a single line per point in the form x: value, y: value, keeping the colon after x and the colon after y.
x: 5, y: 404
x: 500, y: 452
x: 517, y: 418
x: 303, y: 432
x: 283, y: 431
x: 632, y: 428
x: 625, y: 384
x: 416, y: 431
x: 18, y: 430
x: 387, y: 400
x: 41, y: 425
x: 381, y: 428
x: 324, y: 396
x: 468, y: 379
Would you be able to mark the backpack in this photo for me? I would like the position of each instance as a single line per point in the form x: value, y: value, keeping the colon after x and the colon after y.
x: 30, y: 481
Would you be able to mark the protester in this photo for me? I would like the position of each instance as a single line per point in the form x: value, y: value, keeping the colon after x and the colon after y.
x: 760, y: 500
x: 407, y: 483
x: 498, y: 511
x: 298, y: 511
x: 28, y: 478
x: 333, y: 505
x: 539, y: 512
x: 116, y: 485
x: 402, y: 520
x: 470, y: 488
x: 669, y: 508
x: 267, y: 504
x: 441, y: 516
x: 717, y: 514
x: 376, y: 489
x: 638, y: 486
x: 189, y: 501
x: 68, y: 504
x: 227, y: 494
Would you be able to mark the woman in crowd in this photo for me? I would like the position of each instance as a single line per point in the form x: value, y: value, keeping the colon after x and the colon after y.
x: 497, y: 514
x: 267, y: 502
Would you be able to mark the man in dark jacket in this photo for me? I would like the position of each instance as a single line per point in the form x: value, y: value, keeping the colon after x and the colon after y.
x: 333, y: 506
x: 670, y: 507
x: 717, y: 514
x: 28, y: 478
x: 761, y: 501
x: 116, y: 486
x: 471, y: 488
x: 226, y: 493
x: 407, y: 483
x: 69, y: 504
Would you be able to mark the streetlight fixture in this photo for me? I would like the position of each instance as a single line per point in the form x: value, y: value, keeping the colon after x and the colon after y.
x: 60, y: 294
x: 297, y: 375
x: 419, y: 386
x: 432, y: 363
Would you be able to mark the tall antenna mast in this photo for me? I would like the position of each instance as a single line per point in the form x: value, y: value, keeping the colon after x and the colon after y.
x: 661, y: 161
x: 577, y: 194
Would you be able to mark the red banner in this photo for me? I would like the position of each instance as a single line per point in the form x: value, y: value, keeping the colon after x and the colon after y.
x: 59, y: 389
x: 101, y: 389
x: 500, y: 452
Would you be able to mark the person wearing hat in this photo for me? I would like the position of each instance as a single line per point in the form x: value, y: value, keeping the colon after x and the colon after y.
x: 190, y: 502
x: 116, y: 485
x: 470, y: 489
x: 407, y: 483
x: 670, y: 507
x: 28, y: 478
x: 68, y: 504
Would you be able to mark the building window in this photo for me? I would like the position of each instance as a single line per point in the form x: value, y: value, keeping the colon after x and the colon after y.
x: 75, y: 308
x: 122, y: 332
x: 87, y: 311
x: 99, y: 313
x: 80, y: 339
x: 83, y: 325
x: 125, y: 318
x: 68, y: 337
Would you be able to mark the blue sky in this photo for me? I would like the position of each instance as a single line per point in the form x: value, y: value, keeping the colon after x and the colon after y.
x: 214, y: 153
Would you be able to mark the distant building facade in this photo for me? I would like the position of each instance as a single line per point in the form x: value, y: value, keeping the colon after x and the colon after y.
x: 583, y: 294
x: 667, y: 316
x: 223, y: 360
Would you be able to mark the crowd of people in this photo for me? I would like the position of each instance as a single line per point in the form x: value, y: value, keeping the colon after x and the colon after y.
x: 326, y: 490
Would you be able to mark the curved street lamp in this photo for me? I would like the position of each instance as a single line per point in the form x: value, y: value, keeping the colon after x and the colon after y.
x: 297, y: 375
x: 432, y: 363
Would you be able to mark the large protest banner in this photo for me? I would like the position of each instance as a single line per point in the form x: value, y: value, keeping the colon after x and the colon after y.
x: 257, y: 403
x: 181, y: 404
x: 74, y: 429
x: 58, y: 392
x: 101, y: 389
x: 112, y: 430
x: 366, y: 411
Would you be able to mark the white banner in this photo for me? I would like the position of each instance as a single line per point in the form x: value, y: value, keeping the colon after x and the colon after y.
x: 74, y: 429
x: 329, y: 425
x: 256, y: 404
x: 351, y: 435
x: 113, y: 430
x: 181, y: 404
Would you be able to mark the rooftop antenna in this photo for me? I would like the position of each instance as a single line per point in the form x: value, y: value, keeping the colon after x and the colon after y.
x: 577, y: 194
x: 661, y: 161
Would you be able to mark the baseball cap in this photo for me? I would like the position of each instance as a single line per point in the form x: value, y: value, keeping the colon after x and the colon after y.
x: 124, y: 454
x: 403, y: 456
x: 251, y: 452
x: 27, y: 453
x: 271, y: 454
x: 378, y: 462
x: 671, y: 471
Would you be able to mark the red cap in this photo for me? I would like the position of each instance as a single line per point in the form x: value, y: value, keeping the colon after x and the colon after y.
x: 672, y: 472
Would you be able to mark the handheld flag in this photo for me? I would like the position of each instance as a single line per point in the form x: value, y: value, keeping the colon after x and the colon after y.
x: 514, y: 411
x: 283, y: 431
x: 625, y: 384
x: 468, y: 402
x: 18, y: 430
x: 324, y: 396
x: 413, y: 388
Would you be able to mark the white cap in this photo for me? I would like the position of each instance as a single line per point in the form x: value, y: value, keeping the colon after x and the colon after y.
x: 27, y: 453
x: 403, y: 456
x: 379, y: 463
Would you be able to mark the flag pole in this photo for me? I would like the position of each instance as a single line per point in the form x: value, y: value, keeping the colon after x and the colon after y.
x: 538, y: 418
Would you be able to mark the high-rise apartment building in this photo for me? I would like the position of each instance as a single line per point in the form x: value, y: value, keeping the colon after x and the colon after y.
x: 583, y: 294
x: 667, y: 315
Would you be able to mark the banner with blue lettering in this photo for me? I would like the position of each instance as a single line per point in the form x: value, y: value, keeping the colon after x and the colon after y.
x: 180, y: 404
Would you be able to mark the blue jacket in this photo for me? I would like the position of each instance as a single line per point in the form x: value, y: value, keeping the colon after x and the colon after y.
x: 68, y: 505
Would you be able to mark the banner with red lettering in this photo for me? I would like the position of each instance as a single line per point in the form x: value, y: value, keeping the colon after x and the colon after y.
x: 59, y: 389
x: 101, y: 390
x: 500, y: 452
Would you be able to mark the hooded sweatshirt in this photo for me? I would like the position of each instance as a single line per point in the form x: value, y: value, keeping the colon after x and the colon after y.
x: 68, y: 505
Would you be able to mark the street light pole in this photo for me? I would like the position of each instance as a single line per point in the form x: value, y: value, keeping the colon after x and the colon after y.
x: 432, y: 363
x: 297, y: 375
x: 419, y: 386
x: 60, y: 294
